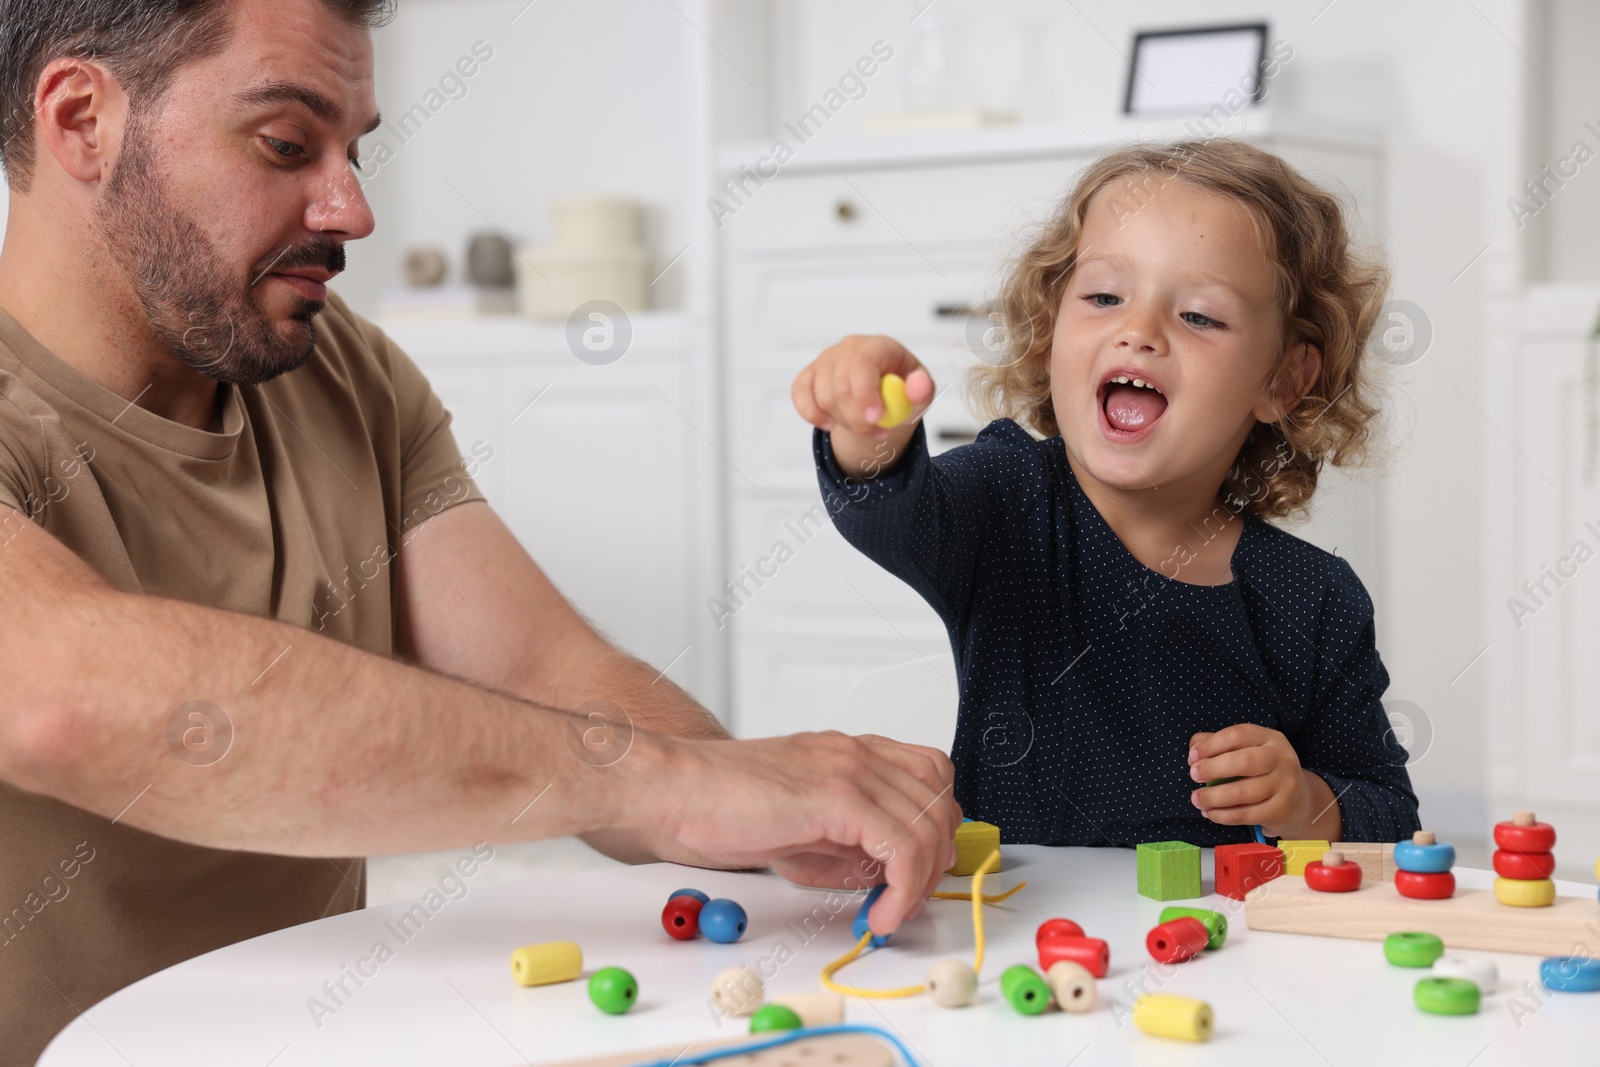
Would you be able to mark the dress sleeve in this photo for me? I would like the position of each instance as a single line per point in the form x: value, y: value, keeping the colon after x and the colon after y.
x: 924, y: 521
x: 1348, y: 740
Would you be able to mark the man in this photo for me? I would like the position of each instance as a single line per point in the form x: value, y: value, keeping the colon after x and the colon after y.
x: 232, y: 510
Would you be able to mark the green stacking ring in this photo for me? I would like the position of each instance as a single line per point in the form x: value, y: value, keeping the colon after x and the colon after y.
x: 1025, y: 989
x: 1412, y: 949
x: 770, y: 1018
x: 1215, y: 922
x: 1448, y: 996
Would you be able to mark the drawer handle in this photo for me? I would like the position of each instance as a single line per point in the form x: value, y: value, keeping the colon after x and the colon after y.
x: 845, y: 210
x: 961, y: 436
x: 954, y: 311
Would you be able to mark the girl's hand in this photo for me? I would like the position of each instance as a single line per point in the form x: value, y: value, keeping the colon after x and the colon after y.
x: 1273, y: 790
x: 841, y: 392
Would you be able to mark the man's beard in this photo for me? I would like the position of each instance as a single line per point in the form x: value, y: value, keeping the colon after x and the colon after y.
x: 199, y: 307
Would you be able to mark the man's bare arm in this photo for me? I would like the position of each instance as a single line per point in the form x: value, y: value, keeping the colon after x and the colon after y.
x: 475, y: 605
x: 339, y: 752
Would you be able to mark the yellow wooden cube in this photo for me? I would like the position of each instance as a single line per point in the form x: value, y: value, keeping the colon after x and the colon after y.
x: 974, y: 841
x: 1296, y: 854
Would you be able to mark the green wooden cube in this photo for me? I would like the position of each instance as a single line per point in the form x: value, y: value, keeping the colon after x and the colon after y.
x: 1169, y: 870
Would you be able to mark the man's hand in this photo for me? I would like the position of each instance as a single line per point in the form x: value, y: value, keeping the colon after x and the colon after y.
x: 1273, y: 790
x: 823, y: 809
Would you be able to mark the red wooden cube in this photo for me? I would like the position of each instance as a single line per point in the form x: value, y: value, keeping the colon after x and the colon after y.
x: 1240, y: 868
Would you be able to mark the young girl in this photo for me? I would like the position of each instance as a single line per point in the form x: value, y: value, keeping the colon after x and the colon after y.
x: 1186, y: 335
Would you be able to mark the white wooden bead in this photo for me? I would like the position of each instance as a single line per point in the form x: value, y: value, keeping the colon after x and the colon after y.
x: 952, y: 983
x: 1481, y: 973
x: 738, y: 991
x: 1072, y: 985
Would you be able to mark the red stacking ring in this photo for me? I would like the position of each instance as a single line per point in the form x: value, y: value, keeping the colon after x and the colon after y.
x: 1341, y: 878
x: 1420, y: 886
x: 1524, y: 866
x: 1540, y: 837
x: 1056, y: 928
x: 1177, y: 940
x: 1090, y: 953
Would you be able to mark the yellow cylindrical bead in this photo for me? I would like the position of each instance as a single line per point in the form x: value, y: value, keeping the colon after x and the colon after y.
x: 552, y: 961
x: 1166, y: 1015
x: 896, y: 404
x: 1538, y: 893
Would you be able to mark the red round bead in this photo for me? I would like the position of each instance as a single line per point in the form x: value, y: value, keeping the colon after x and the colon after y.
x: 681, y: 917
x: 1344, y: 878
x: 1177, y: 940
x: 1056, y: 928
x: 1524, y: 866
x: 1092, y: 954
x: 1540, y: 837
x: 1420, y: 886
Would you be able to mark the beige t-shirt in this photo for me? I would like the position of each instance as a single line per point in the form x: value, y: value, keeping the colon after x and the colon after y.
x: 294, y: 512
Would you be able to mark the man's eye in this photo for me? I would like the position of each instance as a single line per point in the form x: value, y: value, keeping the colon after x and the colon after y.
x: 284, y: 149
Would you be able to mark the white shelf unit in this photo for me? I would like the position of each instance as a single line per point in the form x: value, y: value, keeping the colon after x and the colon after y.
x: 905, y: 235
x: 596, y: 469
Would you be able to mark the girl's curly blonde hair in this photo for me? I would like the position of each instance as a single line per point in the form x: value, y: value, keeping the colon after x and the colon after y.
x: 1331, y: 294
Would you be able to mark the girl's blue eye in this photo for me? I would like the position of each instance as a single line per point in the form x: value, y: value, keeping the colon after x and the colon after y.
x: 1103, y: 300
x: 1205, y: 322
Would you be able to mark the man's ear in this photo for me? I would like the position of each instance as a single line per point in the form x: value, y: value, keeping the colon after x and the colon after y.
x: 79, y: 114
x: 1296, y: 375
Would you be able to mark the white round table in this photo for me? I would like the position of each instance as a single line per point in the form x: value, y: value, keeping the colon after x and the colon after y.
x: 443, y: 994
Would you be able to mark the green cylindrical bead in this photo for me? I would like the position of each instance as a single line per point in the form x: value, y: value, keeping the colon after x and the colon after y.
x: 1025, y: 988
x: 1215, y: 922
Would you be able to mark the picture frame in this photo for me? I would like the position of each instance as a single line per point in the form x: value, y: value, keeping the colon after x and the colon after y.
x: 1175, y: 71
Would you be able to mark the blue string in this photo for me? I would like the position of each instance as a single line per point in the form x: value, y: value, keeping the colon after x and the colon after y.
x: 787, y: 1038
x: 1260, y: 837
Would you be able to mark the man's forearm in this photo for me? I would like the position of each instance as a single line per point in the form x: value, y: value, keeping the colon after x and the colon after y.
x: 614, y: 695
x: 334, y: 751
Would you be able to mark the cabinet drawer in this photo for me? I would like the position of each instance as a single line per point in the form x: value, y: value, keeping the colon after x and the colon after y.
x: 921, y: 209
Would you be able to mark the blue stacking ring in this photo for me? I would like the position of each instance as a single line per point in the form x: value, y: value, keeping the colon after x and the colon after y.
x: 1424, y: 859
x: 860, y: 928
x: 1570, y: 974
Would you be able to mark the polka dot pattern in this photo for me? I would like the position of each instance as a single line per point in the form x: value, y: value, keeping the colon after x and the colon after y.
x: 1084, y: 673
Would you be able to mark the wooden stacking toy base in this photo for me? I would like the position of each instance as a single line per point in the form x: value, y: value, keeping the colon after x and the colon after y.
x: 845, y: 1050
x: 1470, y: 919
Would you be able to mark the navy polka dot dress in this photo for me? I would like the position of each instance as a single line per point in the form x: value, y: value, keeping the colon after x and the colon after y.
x: 1084, y: 673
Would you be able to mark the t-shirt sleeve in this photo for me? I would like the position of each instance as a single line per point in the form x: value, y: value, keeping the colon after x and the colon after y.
x: 1348, y: 740
x: 434, y: 476
x: 18, y: 436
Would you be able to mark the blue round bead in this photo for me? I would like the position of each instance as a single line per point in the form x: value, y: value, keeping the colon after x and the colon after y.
x: 722, y: 921
x: 701, y: 897
x: 859, y: 928
x: 1570, y: 974
x: 1424, y: 859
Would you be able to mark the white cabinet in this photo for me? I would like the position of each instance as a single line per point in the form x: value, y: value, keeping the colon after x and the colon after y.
x: 1544, y: 551
x: 904, y: 237
x: 595, y: 469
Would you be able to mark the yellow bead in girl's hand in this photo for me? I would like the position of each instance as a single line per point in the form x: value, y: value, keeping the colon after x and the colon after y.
x: 896, y: 405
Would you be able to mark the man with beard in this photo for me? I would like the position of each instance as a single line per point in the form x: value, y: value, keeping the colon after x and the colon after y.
x: 255, y: 614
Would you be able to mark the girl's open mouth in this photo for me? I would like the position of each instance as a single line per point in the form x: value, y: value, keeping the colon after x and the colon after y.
x: 1130, y: 406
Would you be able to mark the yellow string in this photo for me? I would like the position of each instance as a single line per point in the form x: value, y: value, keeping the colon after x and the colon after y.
x: 978, y: 901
